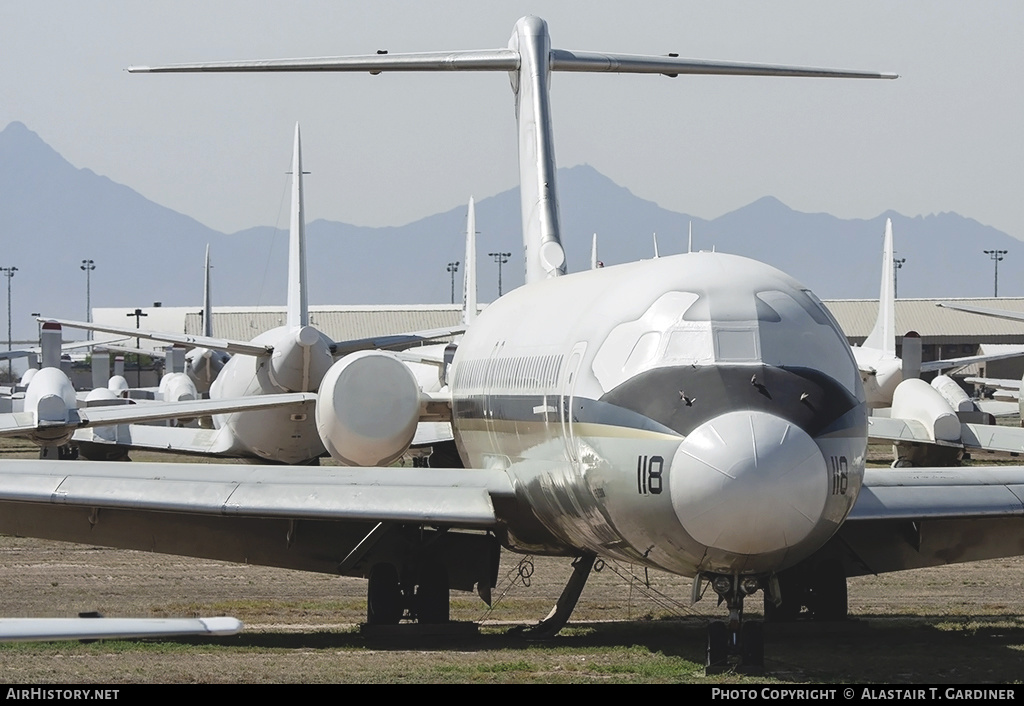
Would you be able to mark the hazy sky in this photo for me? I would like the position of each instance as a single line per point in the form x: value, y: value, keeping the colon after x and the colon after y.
x: 388, y: 149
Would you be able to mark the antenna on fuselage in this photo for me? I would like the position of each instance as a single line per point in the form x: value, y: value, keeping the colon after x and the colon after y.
x: 529, y: 61
x: 298, y: 308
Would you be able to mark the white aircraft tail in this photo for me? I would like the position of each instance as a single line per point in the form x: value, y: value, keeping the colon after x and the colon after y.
x: 207, y: 306
x: 50, y: 341
x: 469, y: 305
x: 298, y: 307
x: 594, y: 262
x: 529, y: 61
x: 883, y: 335
x: 656, y: 253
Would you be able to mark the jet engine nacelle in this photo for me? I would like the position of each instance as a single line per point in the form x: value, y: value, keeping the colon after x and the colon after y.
x: 954, y: 394
x: 915, y: 399
x: 203, y: 365
x: 177, y: 387
x: 367, y: 409
x: 51, y: 398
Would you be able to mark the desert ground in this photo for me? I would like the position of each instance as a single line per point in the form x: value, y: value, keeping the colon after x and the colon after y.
x: 952, y: 624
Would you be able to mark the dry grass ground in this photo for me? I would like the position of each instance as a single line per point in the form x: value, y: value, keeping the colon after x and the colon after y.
x: 958, y: 624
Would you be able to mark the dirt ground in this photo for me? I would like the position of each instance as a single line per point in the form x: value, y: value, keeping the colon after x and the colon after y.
x: 957, y: 624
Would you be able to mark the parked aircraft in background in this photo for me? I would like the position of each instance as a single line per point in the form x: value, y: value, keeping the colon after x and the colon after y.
x: 700, y: 414
x: 51, y: 413
x: 292, y: 358
x: 881, y: 370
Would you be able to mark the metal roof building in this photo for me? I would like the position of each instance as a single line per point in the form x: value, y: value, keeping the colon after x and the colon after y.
x: 944, y: 332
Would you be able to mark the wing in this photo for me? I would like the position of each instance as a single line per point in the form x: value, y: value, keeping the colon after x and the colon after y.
x: 23, y: 423
x: 396, y: 341
x: 40, y: 629
x: 333, y: 520
x: 976, y: 437
x: 1001, y: 354
x: 995, y: 313
x: 220, y: 344
x: 916, y: 517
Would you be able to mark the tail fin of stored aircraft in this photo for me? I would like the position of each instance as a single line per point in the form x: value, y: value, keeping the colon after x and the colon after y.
x: 529, y: 61
x: 469, y: 305
x: 594, y: 262
x: 883, y: 335
x: 207, y: 306
x: 298, y: 307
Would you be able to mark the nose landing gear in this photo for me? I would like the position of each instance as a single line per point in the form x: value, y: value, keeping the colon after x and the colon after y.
x: 733, y: 645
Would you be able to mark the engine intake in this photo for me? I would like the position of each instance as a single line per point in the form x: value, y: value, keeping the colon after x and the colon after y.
x: 367, y: 409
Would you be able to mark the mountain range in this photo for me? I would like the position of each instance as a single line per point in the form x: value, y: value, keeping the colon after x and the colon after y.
x: 53, y: 215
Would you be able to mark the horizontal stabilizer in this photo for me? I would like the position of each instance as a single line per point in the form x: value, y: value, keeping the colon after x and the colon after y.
x: 508, y: 60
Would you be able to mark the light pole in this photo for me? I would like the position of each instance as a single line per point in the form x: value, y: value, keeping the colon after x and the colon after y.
x: 88, y: 266
x: 996, y: 256
x: 9, y: 274
x: 501, y: 258
x: 138, y: 314
x: 453, y: 267
x: 897, y: 263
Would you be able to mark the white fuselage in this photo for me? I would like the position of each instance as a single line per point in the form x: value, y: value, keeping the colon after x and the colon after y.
x: 701, y: 412
x: 300, y: 359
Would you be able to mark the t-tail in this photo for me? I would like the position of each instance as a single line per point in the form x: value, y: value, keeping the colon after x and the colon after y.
x: 883, y: 335
x: 529, y: 61
x: 298, y: 307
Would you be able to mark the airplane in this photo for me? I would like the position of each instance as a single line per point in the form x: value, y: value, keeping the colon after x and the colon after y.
x: 291, y: 358
x: 700, y: 414
x: 880, y: 368
x: 100, y: 628
x: 50, y: 411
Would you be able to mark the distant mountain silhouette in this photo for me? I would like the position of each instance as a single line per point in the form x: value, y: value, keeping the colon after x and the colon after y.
x: 53, y: 215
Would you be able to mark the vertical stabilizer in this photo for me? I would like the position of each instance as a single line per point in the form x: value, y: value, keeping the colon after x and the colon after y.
x: 883, y: 335
x: 542, y: 240
x: 207, y: 307
x: 593, y: 254
x: 298, y: 308
x: 469, y: 305
x: 689, y: 240
x: 50, y: 341
x: 656, y: 255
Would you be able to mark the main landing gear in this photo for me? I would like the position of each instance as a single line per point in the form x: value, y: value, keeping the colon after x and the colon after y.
x: 419, y: 593
x: 733, y: 644
x: 815, y: 592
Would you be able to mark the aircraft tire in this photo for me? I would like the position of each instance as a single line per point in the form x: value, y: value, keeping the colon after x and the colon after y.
x: 718, y: 646
x: 752, y: 644
x: 433, y: 604
x: 383, y: 596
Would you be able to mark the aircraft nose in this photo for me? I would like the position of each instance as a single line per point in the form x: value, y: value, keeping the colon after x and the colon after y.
x: 749, y: 482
